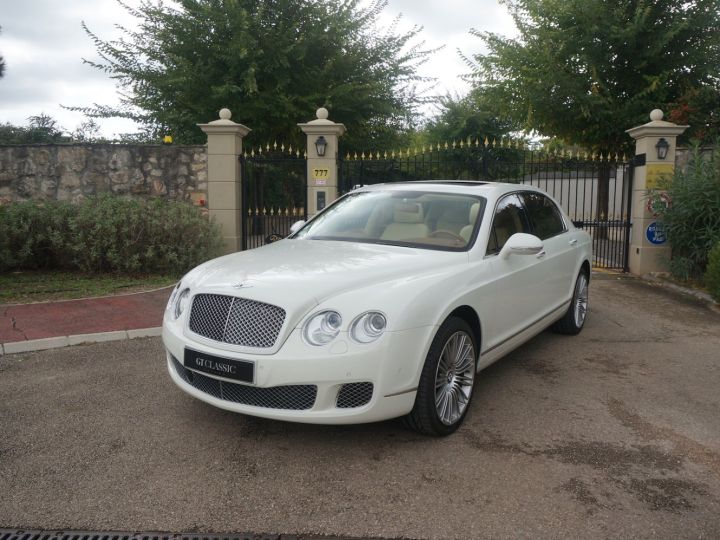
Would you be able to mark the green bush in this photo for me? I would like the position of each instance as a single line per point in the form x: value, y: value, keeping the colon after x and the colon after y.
x: 32, y: 236
x: 106, y: 234
x: 712, y: 274
x: 692, y: 222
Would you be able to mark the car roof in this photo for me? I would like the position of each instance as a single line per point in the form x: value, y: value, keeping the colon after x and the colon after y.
x: 466, y: 187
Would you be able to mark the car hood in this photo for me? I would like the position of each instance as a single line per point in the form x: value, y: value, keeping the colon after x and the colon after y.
x: 298, y: 274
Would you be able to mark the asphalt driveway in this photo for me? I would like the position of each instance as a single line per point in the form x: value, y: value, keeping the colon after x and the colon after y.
x: 613, y: 433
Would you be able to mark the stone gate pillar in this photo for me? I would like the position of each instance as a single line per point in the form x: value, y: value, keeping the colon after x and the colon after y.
x: 322, y: 171
x: 655, y: 144
x: 224, y: 147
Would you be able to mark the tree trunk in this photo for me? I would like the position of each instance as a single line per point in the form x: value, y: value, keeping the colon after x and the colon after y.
x: 603, y: 201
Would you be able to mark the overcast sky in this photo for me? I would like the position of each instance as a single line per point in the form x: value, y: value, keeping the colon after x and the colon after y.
x: 43, y: 46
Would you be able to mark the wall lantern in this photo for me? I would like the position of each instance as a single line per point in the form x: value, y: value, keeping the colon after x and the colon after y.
x: 662, y: 148
x: 321, y: 145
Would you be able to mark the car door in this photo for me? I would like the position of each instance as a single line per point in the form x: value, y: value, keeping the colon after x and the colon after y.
x: 515, y: 291
x: 559, y: 259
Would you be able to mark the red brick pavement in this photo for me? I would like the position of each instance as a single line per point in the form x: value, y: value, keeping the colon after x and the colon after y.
x: 71, y: 317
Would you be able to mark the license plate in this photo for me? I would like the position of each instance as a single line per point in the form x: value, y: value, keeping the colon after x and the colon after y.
x: 239, y: 370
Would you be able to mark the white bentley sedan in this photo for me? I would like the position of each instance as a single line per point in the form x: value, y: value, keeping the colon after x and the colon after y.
x: 386, y: 304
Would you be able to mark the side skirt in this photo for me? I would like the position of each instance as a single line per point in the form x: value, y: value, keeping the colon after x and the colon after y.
x: 493, y: 355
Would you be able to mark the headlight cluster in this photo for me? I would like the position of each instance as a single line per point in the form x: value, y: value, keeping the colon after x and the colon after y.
x: 323, y: 327
x: 368, y: 327
x: 178, y: 301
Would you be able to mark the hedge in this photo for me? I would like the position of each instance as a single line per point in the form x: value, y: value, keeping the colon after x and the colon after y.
x: 106, y: 234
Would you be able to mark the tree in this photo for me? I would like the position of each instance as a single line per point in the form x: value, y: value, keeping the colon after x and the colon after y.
x: 272, y: 62
x: 40, y: 129
x: 467, y: 116
x: 587, y: 70
x: 700, y: 109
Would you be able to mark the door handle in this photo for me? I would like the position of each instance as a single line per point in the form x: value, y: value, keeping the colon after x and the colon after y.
x: 541, y: 254
x: 573, y: 241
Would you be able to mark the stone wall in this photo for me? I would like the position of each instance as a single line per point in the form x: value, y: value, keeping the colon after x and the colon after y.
x: 683, y: 155
x: 73, y: 171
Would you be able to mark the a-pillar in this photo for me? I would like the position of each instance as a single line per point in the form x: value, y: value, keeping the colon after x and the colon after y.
x: 649, y: 249
x: 322, y: 171
x: 224, y: 147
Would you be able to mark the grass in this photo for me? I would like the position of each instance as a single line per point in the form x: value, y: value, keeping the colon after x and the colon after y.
x: 38, y: 286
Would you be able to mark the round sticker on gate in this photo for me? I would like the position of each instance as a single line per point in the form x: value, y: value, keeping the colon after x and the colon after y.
x: 655, y: 233
x: 663, y: 201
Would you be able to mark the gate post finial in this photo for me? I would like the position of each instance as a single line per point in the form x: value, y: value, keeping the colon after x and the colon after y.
x: 224, y: 147
x: 655, y: 144
x: 322, y: 160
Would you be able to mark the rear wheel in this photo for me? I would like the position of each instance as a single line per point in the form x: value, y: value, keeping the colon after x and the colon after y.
x: 447, y: 381
x: 574, y: 319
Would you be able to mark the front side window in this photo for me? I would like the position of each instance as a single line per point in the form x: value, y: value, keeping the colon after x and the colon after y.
x: 509, y: 219
x: 442, y: 221
x: 545, y: 218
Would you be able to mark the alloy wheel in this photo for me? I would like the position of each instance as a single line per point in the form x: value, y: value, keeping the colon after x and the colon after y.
x: 454, y: 378
x: 581, y: 300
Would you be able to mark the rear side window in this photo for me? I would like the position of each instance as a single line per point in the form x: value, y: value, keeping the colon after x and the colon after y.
x: 544, y: 215
x: 509, y: 219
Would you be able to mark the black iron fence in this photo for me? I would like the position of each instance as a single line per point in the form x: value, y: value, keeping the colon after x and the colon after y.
x: 274, y: 181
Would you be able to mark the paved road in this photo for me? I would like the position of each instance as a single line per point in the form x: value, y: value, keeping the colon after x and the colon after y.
x: 614, y: 433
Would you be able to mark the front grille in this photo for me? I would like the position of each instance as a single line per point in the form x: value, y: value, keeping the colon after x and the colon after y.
x: 295, y: 397
x: 354, y: 395
x: 237, y: 321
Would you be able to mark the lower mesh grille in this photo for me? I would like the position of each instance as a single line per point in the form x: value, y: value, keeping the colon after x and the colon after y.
x: 296, y: 397
x: 354, y: 395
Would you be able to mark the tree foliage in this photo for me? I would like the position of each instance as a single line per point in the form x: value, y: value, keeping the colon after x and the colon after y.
x: 41, y: 128
x: 700, y: 109
x: 586, y: 70
x: 467, y: 116
x: 272, y: 62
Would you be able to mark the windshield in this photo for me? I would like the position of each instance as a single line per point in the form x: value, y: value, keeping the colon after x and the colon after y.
x: 445, y: 221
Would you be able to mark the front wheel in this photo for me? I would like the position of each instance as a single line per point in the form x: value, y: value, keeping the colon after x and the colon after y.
x: 447, y: 380
x: 574, y: 319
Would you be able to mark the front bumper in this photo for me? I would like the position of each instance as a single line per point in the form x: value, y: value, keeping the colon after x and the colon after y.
x: 392, y: 365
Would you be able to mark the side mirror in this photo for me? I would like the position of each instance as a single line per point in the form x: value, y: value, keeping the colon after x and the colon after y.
x: 295, y: 227
x: 521, y: 244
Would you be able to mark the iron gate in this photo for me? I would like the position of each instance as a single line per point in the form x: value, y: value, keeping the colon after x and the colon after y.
x: 594, y: 190
x: 274, y: 184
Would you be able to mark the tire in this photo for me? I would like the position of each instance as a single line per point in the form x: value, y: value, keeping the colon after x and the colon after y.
x: 446, y: 382
x: 574, y: 319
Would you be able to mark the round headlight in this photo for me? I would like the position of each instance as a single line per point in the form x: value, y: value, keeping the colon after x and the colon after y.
x: 322, y: 327
x: 368, y: 327
x: 173, y: 295
x: 181, y: 303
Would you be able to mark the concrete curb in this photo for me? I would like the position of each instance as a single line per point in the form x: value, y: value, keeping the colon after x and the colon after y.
x: 698, y: 295
x: 77, y: 339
